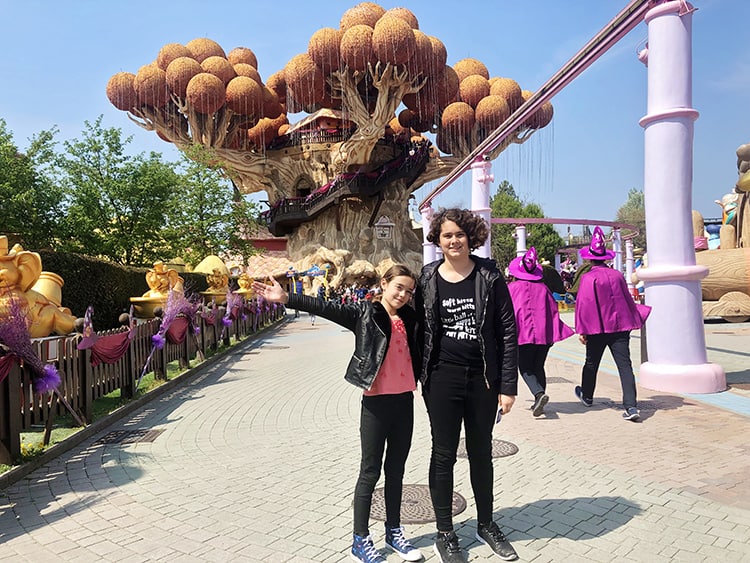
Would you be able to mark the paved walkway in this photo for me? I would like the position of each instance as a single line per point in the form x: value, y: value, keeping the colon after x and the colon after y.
x: 258, y: 454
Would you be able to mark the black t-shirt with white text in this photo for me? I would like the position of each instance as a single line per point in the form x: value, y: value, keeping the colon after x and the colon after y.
x: 459, y: 343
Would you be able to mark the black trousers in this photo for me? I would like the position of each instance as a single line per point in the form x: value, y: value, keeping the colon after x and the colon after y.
x: 457, y: 394
x: 385, y: 420
x: 619, y: 345
x: 531, y: 358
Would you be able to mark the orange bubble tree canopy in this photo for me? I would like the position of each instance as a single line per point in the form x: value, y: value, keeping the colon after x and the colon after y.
x: 370, y: 88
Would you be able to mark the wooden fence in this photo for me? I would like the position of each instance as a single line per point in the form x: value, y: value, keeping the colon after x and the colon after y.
x: 82, y: 383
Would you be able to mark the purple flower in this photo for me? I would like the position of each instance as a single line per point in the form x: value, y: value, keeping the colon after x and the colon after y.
x: 196, y: 330
x: 226, y: 321
x: 158, y: 340
x: 48, y: 381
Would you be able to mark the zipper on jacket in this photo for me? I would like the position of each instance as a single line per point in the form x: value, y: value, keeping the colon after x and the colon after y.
x: 381, y: 360
x: 481, y: 338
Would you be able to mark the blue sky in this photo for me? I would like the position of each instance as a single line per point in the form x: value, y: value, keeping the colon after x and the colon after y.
x: 57, y: 57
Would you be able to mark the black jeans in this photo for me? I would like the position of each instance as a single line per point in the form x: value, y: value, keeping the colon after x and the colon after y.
x: 385, y: 419
x: 531, y: 358
x: 455, y: 394
x: 619, y: 346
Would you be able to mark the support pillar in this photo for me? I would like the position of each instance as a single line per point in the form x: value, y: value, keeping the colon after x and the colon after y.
x: 617, y: 247
x: 428, y: 249
x: 629, y: 263
x: 677, y: 361
x: 520, y: 236
x: 480, y: 199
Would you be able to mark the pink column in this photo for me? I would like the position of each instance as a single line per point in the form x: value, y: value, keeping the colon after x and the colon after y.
x: 520, y: 236
x: 480, y: 198
x: 677, y: 360
x: 629, y: 261
x: 617, y: 247
x: 429, y: 250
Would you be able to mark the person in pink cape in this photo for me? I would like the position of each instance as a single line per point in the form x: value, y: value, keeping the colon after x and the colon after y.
x: 605, y: 315
x: 538, y: 323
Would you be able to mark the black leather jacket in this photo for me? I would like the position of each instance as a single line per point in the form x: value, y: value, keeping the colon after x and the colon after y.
x: 371, y: 325
x: 496, y: 324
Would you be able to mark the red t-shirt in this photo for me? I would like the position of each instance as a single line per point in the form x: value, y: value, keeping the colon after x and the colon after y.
x: 396, y: 375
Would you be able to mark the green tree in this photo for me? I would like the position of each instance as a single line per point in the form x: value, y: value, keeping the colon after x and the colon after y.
x: 209, y: 216
x: 633, y: 212
x: 116, y: 204
x: 31, y: 200
x: 505, y: 203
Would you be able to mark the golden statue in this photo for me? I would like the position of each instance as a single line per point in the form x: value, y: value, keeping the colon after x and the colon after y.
x: 20, y: 270
x: 161, y: 279
x: 246, y: 285
x: 218, y: 282
x: 218, y: 286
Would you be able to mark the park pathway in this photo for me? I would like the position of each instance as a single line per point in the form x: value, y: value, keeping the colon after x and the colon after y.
x: 254, y: 459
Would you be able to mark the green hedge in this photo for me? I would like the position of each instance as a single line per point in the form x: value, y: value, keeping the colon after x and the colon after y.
x: 106, y: 286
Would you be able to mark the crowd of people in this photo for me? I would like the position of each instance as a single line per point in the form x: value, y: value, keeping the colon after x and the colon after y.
x: 462, y: 334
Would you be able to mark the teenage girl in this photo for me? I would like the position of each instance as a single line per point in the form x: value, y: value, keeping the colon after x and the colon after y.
x: 384, y: 365
x: 470, y: 370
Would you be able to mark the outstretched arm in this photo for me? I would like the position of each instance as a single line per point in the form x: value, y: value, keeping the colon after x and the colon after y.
x: 274, y: 292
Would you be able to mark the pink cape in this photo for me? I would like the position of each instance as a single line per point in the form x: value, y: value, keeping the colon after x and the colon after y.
x: 537, y: 319
x: 604, y: 304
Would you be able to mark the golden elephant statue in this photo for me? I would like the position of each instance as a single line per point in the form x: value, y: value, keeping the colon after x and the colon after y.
x: 161, y: 280
x: 19, y: 271
x: 217, y: 281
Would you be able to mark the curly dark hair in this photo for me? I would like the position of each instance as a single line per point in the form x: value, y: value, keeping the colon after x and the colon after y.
x: 474, y: 226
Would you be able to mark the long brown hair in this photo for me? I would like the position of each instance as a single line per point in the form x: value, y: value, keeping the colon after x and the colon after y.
x: 393, y: 272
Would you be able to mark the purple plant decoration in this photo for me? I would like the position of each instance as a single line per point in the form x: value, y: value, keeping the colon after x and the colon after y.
x: 177, y: 305
x: 234, y: 302
x: 15, y: 336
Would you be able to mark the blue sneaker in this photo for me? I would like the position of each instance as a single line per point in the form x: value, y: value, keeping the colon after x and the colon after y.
x: 631, y: 413
x: 394, y: 537
x: 586, y: 401
x: 363, y: 550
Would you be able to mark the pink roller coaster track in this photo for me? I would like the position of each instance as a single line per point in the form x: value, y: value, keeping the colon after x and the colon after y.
x: 623, y: 23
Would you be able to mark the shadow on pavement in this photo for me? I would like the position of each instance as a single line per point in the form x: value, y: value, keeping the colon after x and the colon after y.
x: 46, y: 499
x: 574, y: 518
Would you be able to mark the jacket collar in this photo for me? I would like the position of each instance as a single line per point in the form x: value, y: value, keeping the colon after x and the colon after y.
x: 487, y: 267
x: 406, y: 312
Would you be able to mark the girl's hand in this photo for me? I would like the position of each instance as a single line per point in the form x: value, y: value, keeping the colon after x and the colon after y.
x: 273, y: 293
x: 506, y: 402
x: 582, y: 338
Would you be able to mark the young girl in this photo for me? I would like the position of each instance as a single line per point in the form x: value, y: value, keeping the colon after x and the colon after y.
x: 538, y: 324
x: 384, y: 364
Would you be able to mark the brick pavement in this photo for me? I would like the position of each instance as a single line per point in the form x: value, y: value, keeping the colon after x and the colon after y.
x: 259, y: 454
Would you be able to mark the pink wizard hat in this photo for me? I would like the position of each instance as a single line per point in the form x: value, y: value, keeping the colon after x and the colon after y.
x: 526, y: 267
x: 597, y: 250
